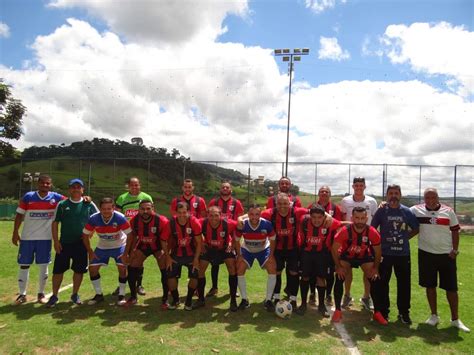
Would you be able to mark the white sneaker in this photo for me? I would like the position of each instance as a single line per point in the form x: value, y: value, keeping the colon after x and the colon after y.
x: 458, y: 324
x: 433, y: 320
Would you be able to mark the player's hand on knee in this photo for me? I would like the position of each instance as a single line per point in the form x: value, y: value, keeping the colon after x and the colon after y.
x: 57, y: 247
x: 341, y: 273
x: 92, y: 255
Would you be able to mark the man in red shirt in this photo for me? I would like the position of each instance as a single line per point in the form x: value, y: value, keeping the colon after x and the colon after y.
x: 315, y: 255
x: 196, y: 204
x: 358, y: 245
x: 182, y: 248
x: 218, y: 248
x: 231, y: 208
x: 284, y: 219
x: 148, y: 228
x: 284, y: 185
x: 324, y: 200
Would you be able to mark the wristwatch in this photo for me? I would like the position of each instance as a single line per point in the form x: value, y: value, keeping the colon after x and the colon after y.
x: 456, y: 252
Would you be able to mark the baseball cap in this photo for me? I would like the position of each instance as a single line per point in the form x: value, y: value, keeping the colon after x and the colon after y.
x: 76, y: 181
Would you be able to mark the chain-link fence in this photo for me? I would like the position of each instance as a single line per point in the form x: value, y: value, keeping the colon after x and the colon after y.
x: 162, y: 179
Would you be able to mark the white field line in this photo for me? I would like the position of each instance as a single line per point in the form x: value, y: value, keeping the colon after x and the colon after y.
x: 64, y: 288
x: 346, y: 338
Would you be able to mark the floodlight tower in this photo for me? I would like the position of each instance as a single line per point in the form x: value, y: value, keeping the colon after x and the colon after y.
x: 290, y: 56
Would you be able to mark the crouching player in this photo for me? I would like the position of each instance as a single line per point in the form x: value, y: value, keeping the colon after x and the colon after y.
x: 316, y: 260
x: 148, y: 228
x: 112, y: 228
x: 258, y: 243
x: 182, y: 248
x: 358, y: 245
x: 218, y: 247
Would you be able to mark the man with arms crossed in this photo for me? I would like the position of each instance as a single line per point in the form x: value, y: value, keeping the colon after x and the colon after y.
x: 73, y: 215
x: 148, y: 228
x: 128, y: 204
x: 438, y: 247
x: 358, y: 199
x: 112, y: 228
x: 284, y: 185
x: 231, y: 208
x: 358, y: 245
x: 196, y: 204
x: 397, y: 226
x: 258, y: 243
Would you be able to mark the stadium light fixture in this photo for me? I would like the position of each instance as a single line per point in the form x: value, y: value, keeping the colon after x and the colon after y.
x: 290, y: 57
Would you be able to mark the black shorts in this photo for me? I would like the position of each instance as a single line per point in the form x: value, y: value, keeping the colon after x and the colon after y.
x: 430, y: 265
x: 356, y: 262
x: 147, y: 249
x: 288, y: 258
x: 216, y: 256
x: 180, y: 262
x: 316, y: 264
x: 77, y: 253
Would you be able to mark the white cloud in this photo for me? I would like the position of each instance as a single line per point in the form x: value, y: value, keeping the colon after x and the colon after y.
x: 161, y: 21
x: 319, y: 6
x: 4, y: 30
x: 330, y: 49
x: 434, y: 49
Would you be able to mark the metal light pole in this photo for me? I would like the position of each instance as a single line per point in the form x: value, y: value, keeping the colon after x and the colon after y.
x: 290, y: 57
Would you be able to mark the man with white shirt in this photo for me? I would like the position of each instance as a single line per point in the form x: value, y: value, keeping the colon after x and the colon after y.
x: 348, y: 203
x: 438, y: 244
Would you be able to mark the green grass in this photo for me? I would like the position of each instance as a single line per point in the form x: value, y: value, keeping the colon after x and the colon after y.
x: 32, y: 328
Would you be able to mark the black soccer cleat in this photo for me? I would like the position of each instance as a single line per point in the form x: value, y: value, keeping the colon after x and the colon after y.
x: 244, y: 304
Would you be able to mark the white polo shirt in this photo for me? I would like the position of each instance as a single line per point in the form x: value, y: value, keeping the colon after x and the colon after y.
x: 348, y: 204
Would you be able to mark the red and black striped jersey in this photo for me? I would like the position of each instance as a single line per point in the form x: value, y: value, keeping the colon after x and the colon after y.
x: 181, y: 239
x: 196, y: 204
x: 356, y: 245
x: 285, y: 227
x: 231, y: 209
x: 158, y: 227
x: 314, y: 238
x: 220, y: 237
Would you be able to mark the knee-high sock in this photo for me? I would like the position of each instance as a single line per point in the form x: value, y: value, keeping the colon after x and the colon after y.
x: 189, y: 296
x: 232, y: 286
x: 242, y: 286
x: 42, y: 277
x: 277, y: 290
x: 293, y: 285
x: 23, y: 277
x: 321, y: 294
x: 201, y: 286
x: 271, y: 281
x: 375, y: 293
x: 122, y: 285
x: 132, y: 281
x: 96, y: 283
x: 164, y: 284
x: 140, y: 275
x: 304, y: 286
x: 338, y: 291
x: 215, y: 275
x: 329, y: 284
x: 312, y: 285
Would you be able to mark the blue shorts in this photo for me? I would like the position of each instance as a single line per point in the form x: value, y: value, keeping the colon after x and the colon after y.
x: 40, y: 250
x: 103, y: 256
x: 261, y: 256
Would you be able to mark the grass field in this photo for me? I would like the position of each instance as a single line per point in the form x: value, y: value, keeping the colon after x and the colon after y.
x: 32, y: 328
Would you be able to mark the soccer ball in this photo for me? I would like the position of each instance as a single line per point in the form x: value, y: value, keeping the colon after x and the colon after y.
x: 283, y: 309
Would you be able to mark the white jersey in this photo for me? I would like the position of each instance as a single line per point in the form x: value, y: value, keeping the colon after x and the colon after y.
x: 435, y: 228
x: 348, y: 204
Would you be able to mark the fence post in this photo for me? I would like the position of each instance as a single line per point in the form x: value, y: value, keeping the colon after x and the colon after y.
x: 455, y: 179
x: 419, y: 187
x: 248, y: 187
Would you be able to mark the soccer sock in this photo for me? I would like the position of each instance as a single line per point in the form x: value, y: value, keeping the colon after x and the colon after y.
x: 43, y: 277
x: 312, y: 285
x: 277, y: 290
x: 293, y: 283
x: 304, y: 285
x: 242, y: 286
x: 23, y: 277
x: 132, y: 281
x: 164, y: 284
x: 140, y: 275
x: 201, y: 286
x: 122, y: 285
x: 329, y: 284
x: 215, y: 275
x: 338, y: 290
x: 189, y: 296
x: 96, y: 283
x: 175, y: 295
x: 375, y: 293
x: 271, y: 281
x: 233, y: 286
x: 321, y: 294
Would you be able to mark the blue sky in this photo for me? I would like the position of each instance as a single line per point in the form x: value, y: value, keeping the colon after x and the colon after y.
x: 385, y: 81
